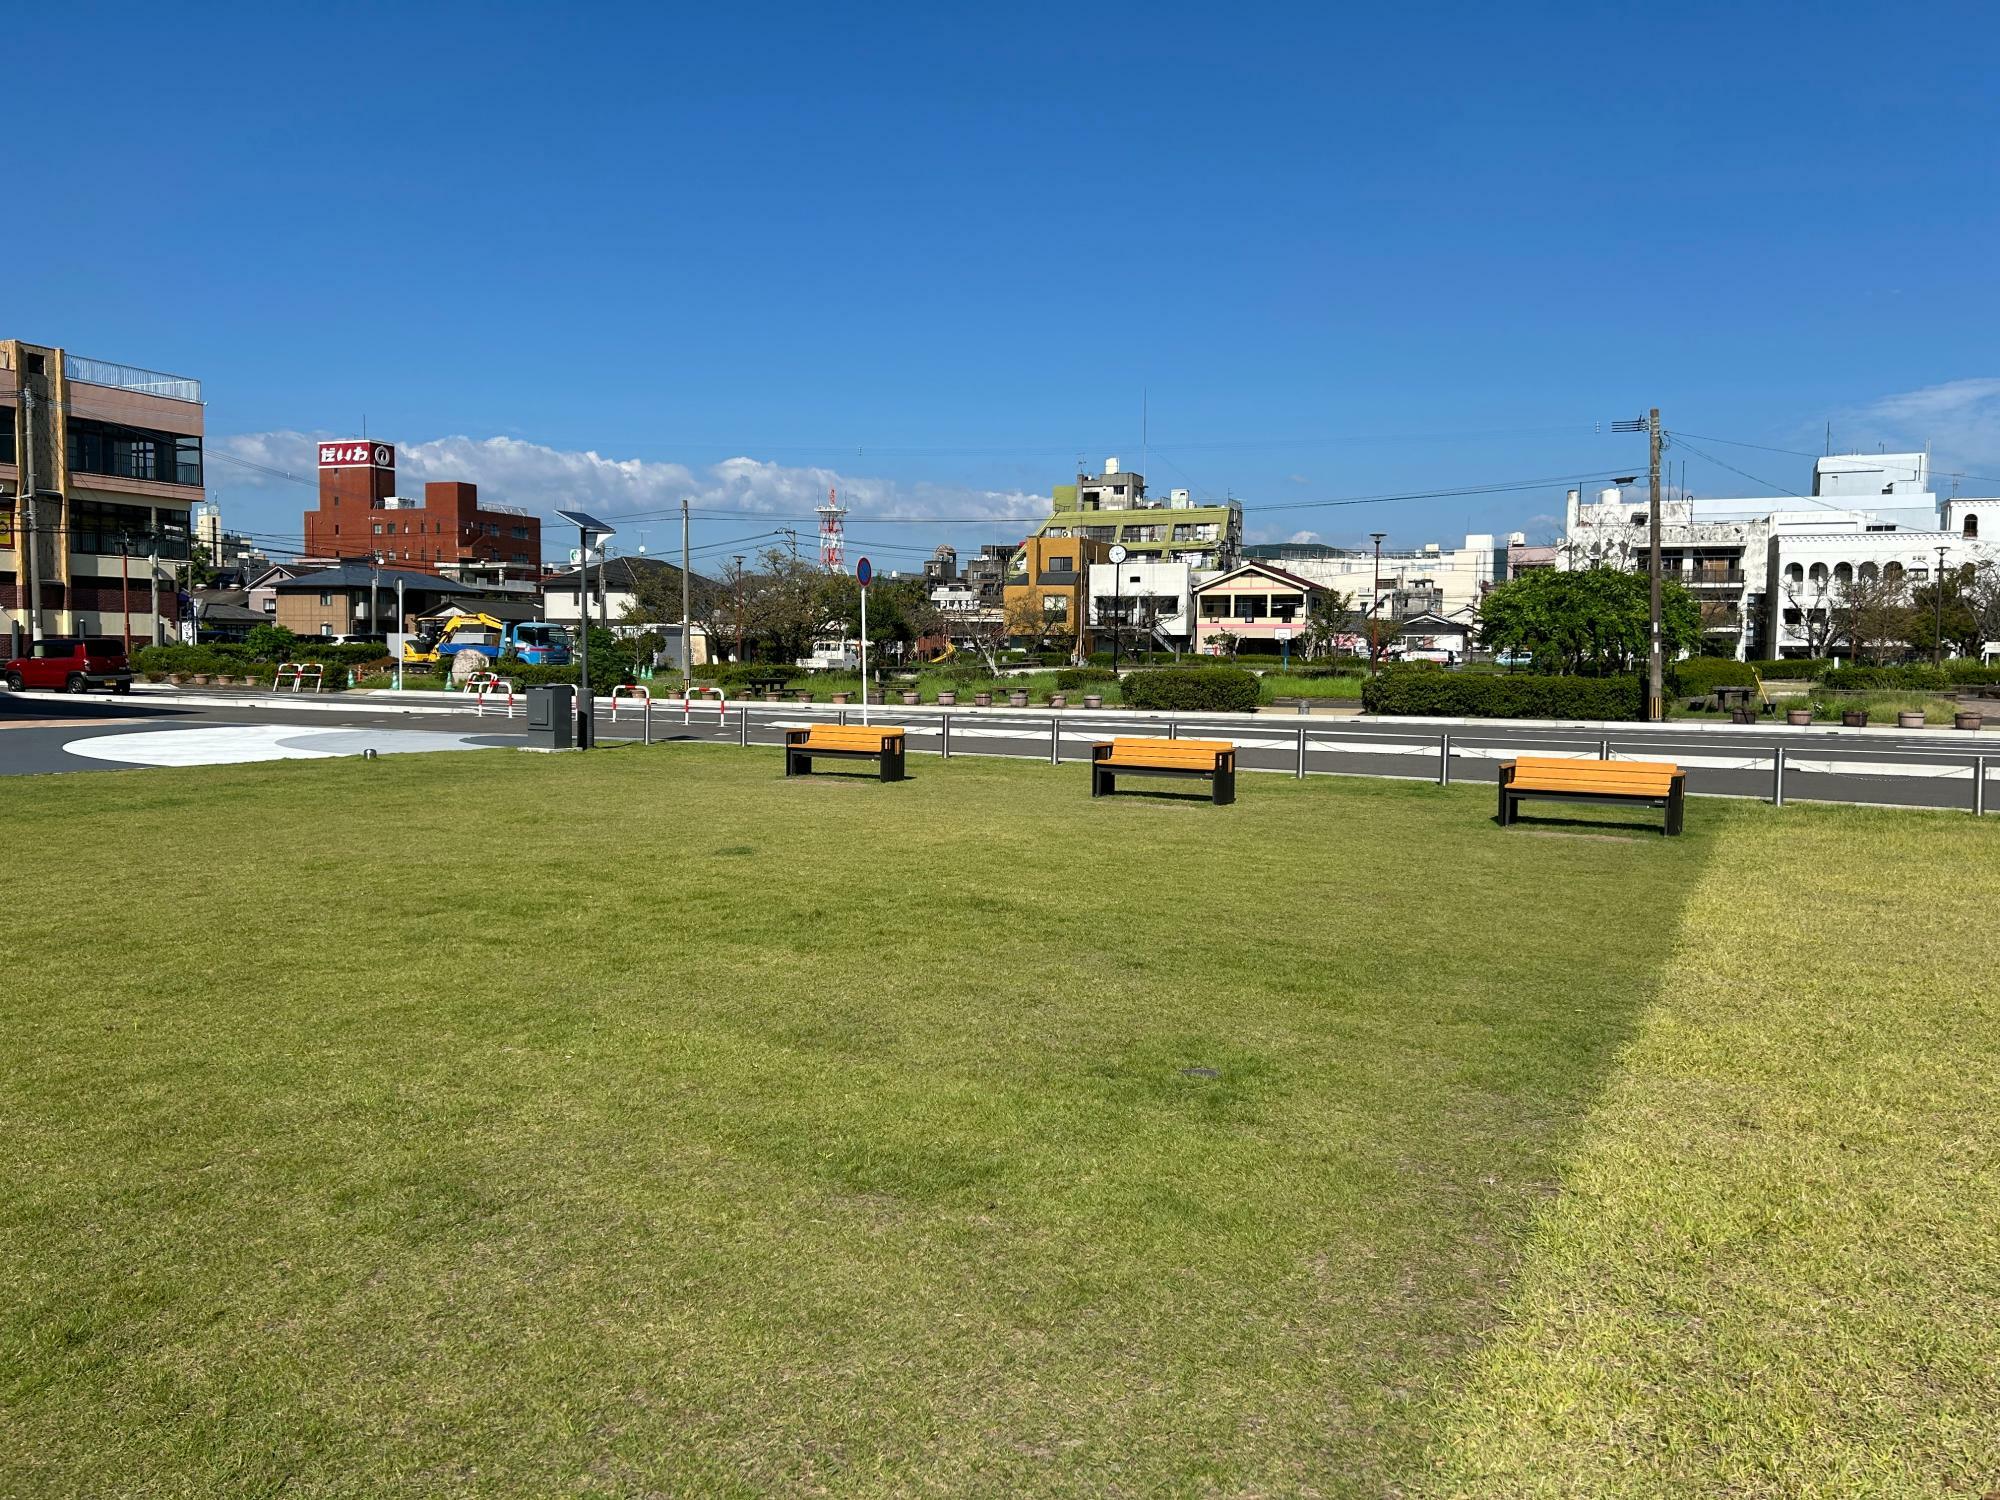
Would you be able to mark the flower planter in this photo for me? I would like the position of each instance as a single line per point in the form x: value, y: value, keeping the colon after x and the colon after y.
x: 1798, y: 716
x: 178, y: 679
x: 876, y: 698
x: 1017, y: 700
x: 982, y: 700
x: 1907, y: 720
x: 1093, y: 700
x: 802, y: 695
x: 912, y: 699
x: 947, y: 699
x: 842, y: 697
x: 1966, y: 721
x: 1854, y: 718
x: 1058, y: 700
x: 203, y: 679
x: 156, y: 677
x: 1743, y: 716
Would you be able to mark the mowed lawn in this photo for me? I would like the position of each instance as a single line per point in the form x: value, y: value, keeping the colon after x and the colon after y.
x: 643, y: 1123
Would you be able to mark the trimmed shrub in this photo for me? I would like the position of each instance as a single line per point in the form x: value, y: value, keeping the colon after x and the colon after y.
x: 1069, y: 679
x: 1447, y: 695
x: 1887, y: 679
x: 1794, y: 669
x: 1704, y: 674
x: 1192, y: 689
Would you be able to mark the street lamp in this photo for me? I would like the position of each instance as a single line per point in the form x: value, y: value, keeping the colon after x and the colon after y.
x: 588, y: 528
x: 1937, y: 593
x: 1375, y: 603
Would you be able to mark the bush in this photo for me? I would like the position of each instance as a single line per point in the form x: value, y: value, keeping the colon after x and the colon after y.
x: 1444, y: 695
x: 1070, y: 679
x: 1794, y: 669
x: 734, y: 674
x: 1192, y: 689
x: 1702, y: 675
x: 1889, y: 679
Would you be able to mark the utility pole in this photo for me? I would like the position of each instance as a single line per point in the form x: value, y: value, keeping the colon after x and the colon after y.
x: 374, y: 588
x: 31, y: 540
x: 739, y: 606
x: 153, y: 581
x: 687, y: 621
x: 125, y: 586
x: 399, y: 631
x: 1656, y: 667
x: 1937, y: 592
x: 1375, y: 605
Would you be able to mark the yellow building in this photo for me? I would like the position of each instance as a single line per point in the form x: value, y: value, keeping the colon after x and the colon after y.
x: 1046, y: 592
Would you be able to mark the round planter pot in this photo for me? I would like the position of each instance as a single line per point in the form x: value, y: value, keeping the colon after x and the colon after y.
x: 1093, y: 700
x: 982, y: 700
x: 910, y: 700
x: 1966, y: 721
x: 802, y: 695
x: 1058, y: 700
x: 1906, y: 720
x: 1854, y: 718
x: 177, y: 678
x: 876, y: 699
x: 1798, y: 716
x: 842, y: 697
x: 947, y: 700
x: 1742, y: 716
x: 1017, y: 700
x: 203, y: 679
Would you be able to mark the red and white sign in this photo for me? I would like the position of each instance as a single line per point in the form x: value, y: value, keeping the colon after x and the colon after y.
x: 357, y: 455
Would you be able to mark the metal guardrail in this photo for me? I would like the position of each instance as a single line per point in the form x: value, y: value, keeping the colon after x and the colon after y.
x: 1446, y: 756
x: 131, y: 378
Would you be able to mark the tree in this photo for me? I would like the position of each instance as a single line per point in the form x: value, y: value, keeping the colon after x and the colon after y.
x: 1982, y: 594
x: 1812, y: 596
x: 1947, y: 599
x: 270, y: 643
x: 1872, y: 613
x: 1030, y: 618
x: 1326, y: 619
x: 1591, y: 622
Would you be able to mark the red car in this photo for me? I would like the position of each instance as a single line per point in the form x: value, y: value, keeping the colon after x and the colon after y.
x: 71, y: 664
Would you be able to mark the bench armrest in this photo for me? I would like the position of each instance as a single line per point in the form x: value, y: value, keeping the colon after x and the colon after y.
x: 1100, y: 752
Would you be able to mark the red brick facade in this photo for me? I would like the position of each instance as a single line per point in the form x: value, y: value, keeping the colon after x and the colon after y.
x: 360, y: 516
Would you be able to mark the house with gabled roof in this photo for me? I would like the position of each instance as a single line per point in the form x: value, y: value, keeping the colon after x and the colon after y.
x: 1262, y: 606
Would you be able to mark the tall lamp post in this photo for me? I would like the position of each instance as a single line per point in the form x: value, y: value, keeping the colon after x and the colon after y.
x: 588, y: 529
x: 1937, y: 594
x: 1375, y: 605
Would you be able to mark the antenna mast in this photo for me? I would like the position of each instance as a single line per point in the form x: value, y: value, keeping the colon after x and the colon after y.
x: 832, y: 536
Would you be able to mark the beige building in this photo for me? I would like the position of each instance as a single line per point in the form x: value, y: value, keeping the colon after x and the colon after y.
x: 100, y: 469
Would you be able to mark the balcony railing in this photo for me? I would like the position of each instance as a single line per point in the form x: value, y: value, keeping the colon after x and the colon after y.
x: 131, y: 378
x: 1711, y: 578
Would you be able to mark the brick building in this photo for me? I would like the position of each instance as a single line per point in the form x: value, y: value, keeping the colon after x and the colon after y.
x: 361, y: 515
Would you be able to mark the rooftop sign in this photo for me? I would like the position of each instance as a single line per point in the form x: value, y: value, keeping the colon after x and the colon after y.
x: 357, y: 455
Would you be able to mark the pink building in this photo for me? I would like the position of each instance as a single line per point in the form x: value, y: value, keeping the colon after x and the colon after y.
x: 1264, y: 607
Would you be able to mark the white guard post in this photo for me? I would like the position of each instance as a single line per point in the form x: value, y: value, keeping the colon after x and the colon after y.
x: 691, y: 701
x: 636, y: 695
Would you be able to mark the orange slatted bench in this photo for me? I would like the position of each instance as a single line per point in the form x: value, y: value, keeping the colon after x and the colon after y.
x: 1213, y: 759
x: 844, y: 742
x: 1656, y: 783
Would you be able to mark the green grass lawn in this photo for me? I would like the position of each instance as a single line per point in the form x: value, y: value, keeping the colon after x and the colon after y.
x: 644, y: 1123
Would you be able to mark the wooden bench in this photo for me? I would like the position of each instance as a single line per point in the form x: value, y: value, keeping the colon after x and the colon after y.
x: 1214, y: 759
x: 1656, y: 783
x: 844, y: 742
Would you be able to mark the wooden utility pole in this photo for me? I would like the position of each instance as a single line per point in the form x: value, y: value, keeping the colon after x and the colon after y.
x: 1656, y: 667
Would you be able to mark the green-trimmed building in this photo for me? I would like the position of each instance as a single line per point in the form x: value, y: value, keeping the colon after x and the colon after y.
x: 1114, y: 507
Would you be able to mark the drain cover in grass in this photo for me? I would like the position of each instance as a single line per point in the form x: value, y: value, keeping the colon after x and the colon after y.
x: 1199, y: 1073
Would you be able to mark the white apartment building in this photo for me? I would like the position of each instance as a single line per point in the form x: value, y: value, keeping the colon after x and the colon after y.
x: 1761, y: 566
x: 1431, y: 579
x: 1154, y: 600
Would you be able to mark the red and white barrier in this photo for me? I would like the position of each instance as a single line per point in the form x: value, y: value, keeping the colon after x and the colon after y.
x: 690, y: 701
x: 298, y: 673
x: 483, y: 685
x: 636, y: 695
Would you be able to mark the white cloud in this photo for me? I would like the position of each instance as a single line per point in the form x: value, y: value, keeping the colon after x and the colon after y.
x: 1303, y: 536
x: 1958, y: 420
x: 540, y: 478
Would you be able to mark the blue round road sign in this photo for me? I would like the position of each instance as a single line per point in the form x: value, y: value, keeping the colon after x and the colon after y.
x: 863, y: 573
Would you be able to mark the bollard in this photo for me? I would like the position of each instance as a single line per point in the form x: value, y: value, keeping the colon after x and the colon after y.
x: 1444, y: 760
x: 843, y: 717
x: 1302, y: 752
x: 946, y: 733
x: 743, y: 726
x: 1778, y: 777
x: 369, y: 753
x: 1055, y: 742
x: 1173, y: 730
x: 1979, y: 786
x: 1604, y: 749
x: 649, y: 722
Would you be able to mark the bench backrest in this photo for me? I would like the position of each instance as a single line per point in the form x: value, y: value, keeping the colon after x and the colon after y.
x: 850, y: 737
x: 1554, y: 773
x: 1189, y: 754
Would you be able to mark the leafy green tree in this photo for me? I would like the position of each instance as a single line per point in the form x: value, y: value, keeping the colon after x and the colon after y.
x: 1963, y: 632
x: 1590, y: 622
x: 1328, y: 615
x: 270, y: 643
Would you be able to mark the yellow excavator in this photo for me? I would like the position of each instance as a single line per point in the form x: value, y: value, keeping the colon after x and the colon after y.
x: 438, y: 639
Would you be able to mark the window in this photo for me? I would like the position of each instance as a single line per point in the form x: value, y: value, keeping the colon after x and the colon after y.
x: 326, y: 629
x: 519, y: 533
x: 7, y: 436
x: 1794, y: 573
x: 133, y: 452
x: 325, y: 599
x: 1972, y: 526
x: 1249, y: 606
x: 1819, y: 573
x: 1062, y: 565
x: 1055, y: 604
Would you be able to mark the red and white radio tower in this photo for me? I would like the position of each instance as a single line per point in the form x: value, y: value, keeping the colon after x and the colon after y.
x: 832, y: 550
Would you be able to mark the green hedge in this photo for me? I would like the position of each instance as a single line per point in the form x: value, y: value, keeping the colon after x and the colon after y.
x: 1069, y: 679
x: 1445, y: 695
x: 1794, y: 669
x: 1965, y: 673
x: 1192, y: 689
x: 1704, y: 674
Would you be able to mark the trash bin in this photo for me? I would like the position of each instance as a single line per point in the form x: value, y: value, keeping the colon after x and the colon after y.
x: 552, y: 715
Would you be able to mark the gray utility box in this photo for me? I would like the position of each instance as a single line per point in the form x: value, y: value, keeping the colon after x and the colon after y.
x: 552, y: 715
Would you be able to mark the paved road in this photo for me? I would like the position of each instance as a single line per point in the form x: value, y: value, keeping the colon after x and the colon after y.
x: 48, y: 732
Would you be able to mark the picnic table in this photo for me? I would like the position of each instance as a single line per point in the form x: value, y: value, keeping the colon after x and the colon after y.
x: 765, y: 684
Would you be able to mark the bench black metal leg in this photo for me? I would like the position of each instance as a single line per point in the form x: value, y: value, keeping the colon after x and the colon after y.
x: 1676, y: 805
x: 1102, y: 782
x: 1509, y: 806
x: 798, y: 763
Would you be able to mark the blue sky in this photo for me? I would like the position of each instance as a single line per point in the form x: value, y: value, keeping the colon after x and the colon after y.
x: 936, y: 254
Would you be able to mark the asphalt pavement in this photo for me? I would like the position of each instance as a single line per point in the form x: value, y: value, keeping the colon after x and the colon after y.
x: 44, y: 732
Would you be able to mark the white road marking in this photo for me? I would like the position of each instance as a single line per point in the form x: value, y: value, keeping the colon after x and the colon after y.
x: 236, y: 744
